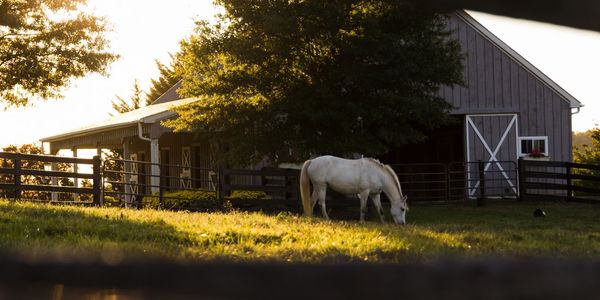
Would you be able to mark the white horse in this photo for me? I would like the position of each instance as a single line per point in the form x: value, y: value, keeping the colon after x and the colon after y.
x: 364, y: 177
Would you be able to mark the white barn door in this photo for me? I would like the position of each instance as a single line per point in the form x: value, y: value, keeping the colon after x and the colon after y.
x: 492, y: 139
x: 186, y: 171
x: 133, y: 178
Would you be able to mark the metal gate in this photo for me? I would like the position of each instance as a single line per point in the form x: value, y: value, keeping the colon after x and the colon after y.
x: 438, y: 182
x: 491, y: 139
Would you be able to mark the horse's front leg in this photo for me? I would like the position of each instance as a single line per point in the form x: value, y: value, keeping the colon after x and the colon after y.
x: 363, y: 196
x: 377, y: 201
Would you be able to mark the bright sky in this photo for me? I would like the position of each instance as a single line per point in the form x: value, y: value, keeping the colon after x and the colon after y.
x: 145, y: 30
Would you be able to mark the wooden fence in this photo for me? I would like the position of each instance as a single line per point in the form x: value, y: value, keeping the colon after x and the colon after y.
x: 537, y: 179
x: 559, y: 180
x: 13, y: 173
x: 128, y: 182
x: 280, y: 181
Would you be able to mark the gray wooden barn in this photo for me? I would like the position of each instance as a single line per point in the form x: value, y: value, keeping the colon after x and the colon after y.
x: 509, y: 109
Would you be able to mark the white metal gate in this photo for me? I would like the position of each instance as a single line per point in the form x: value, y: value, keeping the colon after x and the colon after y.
x: 491, y: 138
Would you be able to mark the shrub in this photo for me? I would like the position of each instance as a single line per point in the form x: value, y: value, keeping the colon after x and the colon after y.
x: 111, y: 201
x: 182, y: 200
x: 249, y: 195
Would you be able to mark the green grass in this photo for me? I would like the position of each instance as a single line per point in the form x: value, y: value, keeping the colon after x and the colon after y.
x: 111, y: 234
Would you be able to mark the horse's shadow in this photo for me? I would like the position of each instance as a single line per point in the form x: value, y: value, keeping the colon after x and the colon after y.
x: 347, y: 207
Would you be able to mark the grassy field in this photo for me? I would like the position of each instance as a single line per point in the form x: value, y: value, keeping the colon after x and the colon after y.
x: 111, y: 234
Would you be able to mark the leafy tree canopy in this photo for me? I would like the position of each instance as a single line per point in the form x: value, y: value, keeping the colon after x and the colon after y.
x: 45, y: 43
x: 589, y: 153
x: 582, y: 139
x: 289, y: 79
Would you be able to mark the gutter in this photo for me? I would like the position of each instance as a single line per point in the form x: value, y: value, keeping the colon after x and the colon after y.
x: 141, y: 133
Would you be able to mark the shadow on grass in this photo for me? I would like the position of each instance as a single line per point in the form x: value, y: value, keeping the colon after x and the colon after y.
x: 42, y: 227
x: 46, y: 230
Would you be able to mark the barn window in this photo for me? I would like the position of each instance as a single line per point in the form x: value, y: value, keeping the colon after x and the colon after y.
x: 533, y: 145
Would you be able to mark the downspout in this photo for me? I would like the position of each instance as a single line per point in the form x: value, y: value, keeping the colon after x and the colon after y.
x: 154, y: 167
x: 577, y: 111
x: 141, y: 133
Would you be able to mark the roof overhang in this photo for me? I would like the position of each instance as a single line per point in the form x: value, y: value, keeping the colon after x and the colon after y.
x: 147, y: 115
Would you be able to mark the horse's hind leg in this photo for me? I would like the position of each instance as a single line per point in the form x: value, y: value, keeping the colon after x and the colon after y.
x: 314, y: 197
x: 321, y: 193
x: 377, y: 201
x: 363, y: 204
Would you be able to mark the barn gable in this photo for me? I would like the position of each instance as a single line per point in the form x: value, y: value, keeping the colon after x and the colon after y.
x: 170, y: 95
x: 502, y: 84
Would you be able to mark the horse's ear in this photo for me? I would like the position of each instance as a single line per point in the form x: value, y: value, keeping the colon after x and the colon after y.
x: 404, y: 198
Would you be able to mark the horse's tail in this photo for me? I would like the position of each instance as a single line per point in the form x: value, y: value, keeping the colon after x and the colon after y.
x: 305, y: 190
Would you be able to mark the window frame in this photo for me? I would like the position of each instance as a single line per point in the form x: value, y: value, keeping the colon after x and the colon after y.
x: 533, y: 138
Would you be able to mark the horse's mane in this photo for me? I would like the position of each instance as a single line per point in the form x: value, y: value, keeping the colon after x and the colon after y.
x: 388, y: 169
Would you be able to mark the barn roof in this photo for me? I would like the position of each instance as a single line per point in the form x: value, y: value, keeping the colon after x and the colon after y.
x: 170, y: 95
x: 147, y: 114
x: 573, y: 102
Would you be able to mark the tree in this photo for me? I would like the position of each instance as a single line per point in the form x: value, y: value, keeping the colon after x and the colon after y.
x: 122, y: 106
x: 316, y: 77
x: 588, y: 154
x: 167, y: 78
x: 46, y: 43
x: 582, y: 139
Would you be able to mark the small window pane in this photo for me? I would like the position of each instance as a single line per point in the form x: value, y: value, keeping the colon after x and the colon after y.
x: 526, y: 146
x: 529, y: 145
x: 541, y: 145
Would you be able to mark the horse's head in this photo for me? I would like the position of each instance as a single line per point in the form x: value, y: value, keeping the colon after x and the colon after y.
x: 398, y: 210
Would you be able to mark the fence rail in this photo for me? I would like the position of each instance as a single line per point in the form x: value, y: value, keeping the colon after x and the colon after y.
x: 456, y: 181
x: 563, y: 180
x: 16, y: 178
x: 130, y: 181
x: 269, y: 180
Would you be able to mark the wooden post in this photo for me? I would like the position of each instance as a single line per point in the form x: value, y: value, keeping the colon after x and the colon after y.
x: 522, y: 187
x: 97, y: 187
x: 220, y: 192
x: 17, y: 178
x: 54, y: 181
x: 75, y: 170
x: 161, y: 188
x: 286, y: 184
x: 481, y: 198
x: 447, y: 171
x: 127, y: 187
x: 569, y: 183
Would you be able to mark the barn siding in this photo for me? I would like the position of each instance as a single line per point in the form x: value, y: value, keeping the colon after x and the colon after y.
x: 497, y: 83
